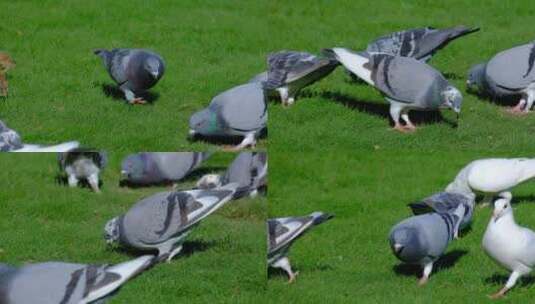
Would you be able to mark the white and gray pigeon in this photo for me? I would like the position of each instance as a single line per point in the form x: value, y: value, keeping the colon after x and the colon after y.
x: 419, y: 43
x: 249, y: 170
x: 508, y: 74
x: 291, y: 71
x: 282, y: 232
x: 405, y: 82
x: 66, y: 283
x: 509, y: 244
x: 240, y: 111
x: 447, y: 202
x: 134, y: 70
x: 157, y: 167
x: 423, y: 239
x: 10, y: 141
x: 83, y: 164
x: 161, y: 222
x: 492, y: 176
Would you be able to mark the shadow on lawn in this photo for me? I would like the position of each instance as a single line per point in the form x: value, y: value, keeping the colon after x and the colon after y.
x: 192, y: 177
x: 188, y: 248
x: 504, y: 101
x: 446, y: 261
x: 115, y: 93
x: 382, y: 109
x: 223, y: 140
x: 501, y: 279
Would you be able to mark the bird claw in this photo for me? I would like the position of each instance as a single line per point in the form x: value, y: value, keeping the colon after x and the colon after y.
x: 137, y: 100
x: 404, y: 129
x: 423, y: 281
x: 293, y: 277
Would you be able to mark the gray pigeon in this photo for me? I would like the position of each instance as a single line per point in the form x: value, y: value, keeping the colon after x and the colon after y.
x: 291, y: 71
x: 83, y: 164
x: 240, y: 111
x: 405, y: 82
x: 508, y: 74
x: 422, y: 239
x: 282, y: 232
x: 447, y: 202
x: 420, y: 43
x: 249, y: 170
x: 66, y: 283
x: 134, y: 70
x: 162, y: 221
x: 10, y: 141
x: 157, y: 167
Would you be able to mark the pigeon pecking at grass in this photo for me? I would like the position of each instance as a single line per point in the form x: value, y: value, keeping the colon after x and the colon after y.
x: 509, y: 244
x: 291, y: 71
x: 419, y: 43
x: 10, y: 141
x: 158, y: 167
x: 240, y: 111
x: 134, y: 70
x: 405, y: 82
x: 161, y: 222
x: 84, y: 164
x: 509, y: 73
x: 447, y: 202
x: 423, y: 239
x: 66, y: 283
x: 492, y: 176
x: 249, y: 170
x: 282, y: 232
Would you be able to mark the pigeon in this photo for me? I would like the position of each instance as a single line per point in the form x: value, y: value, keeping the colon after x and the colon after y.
x: 162, y: 221
x: 240, y: 111
x: 6, y: 64
x: 134, y: 70
x: 508, y: 74
x: 419, y: 43
x: 291, y: 71
x: 282, y: 232
x: 422, y: 239
x: 158, y: 167
x: 66, y: 283
x: 509, y: 244
x: 405, y: 82
x: 446, y: 202
x: 492, y: 176
x: 10, y: 141
x: 248, y: 170
x: 83, y: 164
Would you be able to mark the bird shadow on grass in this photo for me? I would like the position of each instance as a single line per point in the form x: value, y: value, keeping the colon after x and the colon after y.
x: 382, y: 110
x: 115, y: 93
x: 188, y: 248
x: 224, y: 140
x: 501, y: 279
x: 452, y: 76
x: 280, y: 273
x: 62, y: 180
x: 446, y: 261
x: 504, y: 101
x: 193, y: 176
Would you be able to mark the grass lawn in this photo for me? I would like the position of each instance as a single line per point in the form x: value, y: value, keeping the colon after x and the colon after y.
x: 338, y: 114
x: 41, y: 220
x: 348, y: 259
x: 58, y: 87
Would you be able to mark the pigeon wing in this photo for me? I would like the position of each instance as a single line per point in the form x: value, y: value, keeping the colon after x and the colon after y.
x: 513, y: 69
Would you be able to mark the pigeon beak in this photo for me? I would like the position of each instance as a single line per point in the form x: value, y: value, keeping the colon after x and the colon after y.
x: 124, y: 174
x: 398, y: 248
x: 496, y: 216
x: 192, y: 133
x: 154, y: 74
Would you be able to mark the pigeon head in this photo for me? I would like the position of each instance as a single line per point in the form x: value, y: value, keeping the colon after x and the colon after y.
x: 209, y: 181
x: 133, y: 167
x: 452, y: 98
x: 502, y: 206
x: 406, y: 245
x: 154, y: 67
x: 476, y: 78
x: 204, y: 122
x: 111, y: 231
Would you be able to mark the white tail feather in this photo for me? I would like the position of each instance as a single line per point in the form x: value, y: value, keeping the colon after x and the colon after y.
x: 354, y: 63
x: 64, y: 147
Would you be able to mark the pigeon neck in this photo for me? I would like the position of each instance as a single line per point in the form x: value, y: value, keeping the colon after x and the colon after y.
x: 507, y: 219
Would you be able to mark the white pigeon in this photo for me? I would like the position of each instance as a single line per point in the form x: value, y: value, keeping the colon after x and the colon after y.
x: 512, y: 246
x: 493, y: 176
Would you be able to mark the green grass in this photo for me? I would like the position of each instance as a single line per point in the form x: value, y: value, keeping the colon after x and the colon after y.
x: 358, y: 116
x: 348, y: 259
x: 56, y: 88
x: 41, y: 220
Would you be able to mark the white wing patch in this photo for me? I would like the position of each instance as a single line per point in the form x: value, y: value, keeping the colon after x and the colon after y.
x: 207, y: 202
x: 291, y: 226
x: 354, y: 63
